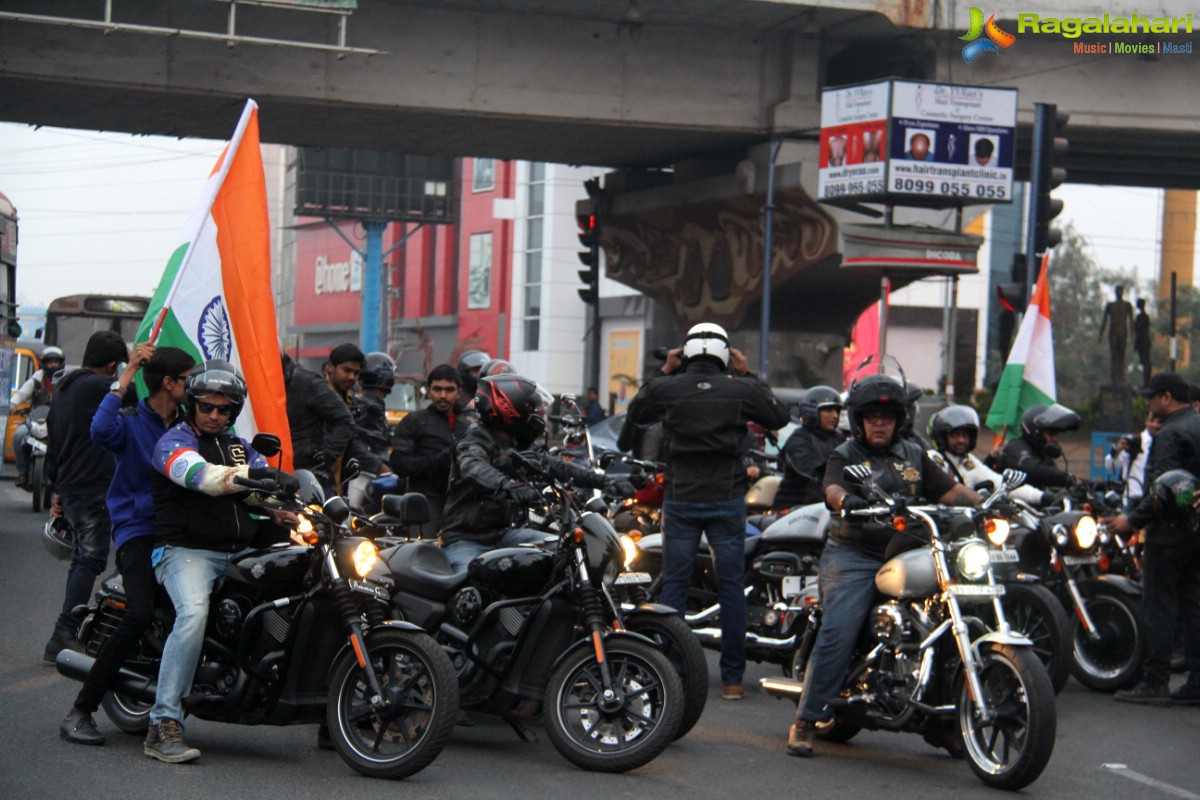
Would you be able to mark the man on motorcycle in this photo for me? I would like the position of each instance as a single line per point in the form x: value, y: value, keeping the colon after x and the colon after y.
x: 202, y: 519
x: 955, y: 432
x: 372, y: 432
x: 704, y: 399
x: 807, y: 449
x: 37, y: 391
x: 1036, y: 451
x: 856, y: 546
x: 131, y: 439
x: 320, y: 421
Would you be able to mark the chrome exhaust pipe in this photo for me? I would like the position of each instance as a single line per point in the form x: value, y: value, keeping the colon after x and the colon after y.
x: 713, y: 636
x: 782, y: 687
x: 76, y: 666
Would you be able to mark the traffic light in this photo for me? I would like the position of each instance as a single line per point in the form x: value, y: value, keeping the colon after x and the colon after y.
x: 1049, y: 146
x: 1013, y: 298
x: 589, y: 237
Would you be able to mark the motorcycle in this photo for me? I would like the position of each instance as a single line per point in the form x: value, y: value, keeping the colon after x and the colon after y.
x: 528, y: 631
x: 924, y: 665
x: 40, y: 486
x: 297, y: 633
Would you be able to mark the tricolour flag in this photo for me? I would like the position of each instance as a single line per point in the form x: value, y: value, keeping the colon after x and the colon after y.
x: 1028, y: 377
x: 215, y: 299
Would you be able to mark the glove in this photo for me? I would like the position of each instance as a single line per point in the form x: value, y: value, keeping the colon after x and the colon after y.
x: 286, y: 481
x: 619, y: 488
x: 853, y: 502
x: 525, y: 495
x: 637, y: 480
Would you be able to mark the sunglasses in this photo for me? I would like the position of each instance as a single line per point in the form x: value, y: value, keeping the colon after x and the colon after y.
x: 212, y: 408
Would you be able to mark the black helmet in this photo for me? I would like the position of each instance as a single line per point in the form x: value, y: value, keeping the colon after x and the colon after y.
x: 216, y: 377
x: 497, y: 366
x: 378, y: 372
x: 952, y: 418
x: 816, y: 398
x: 468, y: 361
x: 514, y: 405
x: 1047, y: 417
x: 885, y: 391
x: 1173, y: 493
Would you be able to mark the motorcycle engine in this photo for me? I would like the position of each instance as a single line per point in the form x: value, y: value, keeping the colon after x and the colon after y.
x: 227, y: 618
x: 887, y: 625
x: 466, y: 606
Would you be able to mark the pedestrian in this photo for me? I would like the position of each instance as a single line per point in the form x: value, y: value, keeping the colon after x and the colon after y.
x: 38, y: 390
x: 1170, y: 550
x: 320, y: 422
x: 342, y: 370
x: 1127, y: 459
x: 593, y: 410
x: 372, y: 431
x: 82, y: 471
x: 855, y: 549
x: 131, y: 438
x: 704, y: 398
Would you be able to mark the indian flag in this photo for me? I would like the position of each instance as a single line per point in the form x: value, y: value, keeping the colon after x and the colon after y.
x: 1028, y: 377
x: 215, y: 299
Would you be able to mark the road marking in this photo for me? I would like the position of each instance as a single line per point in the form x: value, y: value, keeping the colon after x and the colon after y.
x: 1133, y: 775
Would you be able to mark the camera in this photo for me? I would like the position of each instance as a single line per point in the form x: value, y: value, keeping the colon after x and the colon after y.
x: 1134, y: 444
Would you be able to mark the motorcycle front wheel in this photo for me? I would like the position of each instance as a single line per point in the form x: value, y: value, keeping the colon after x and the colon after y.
x: 681, y: 647
x: 625, y: 731
x: 1113, y: 660
x: 1009, y: 750
x: 405, y: 733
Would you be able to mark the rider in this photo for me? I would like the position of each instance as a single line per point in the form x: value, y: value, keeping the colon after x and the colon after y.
x: 37, y: 391
x: 1037, y: 450
x: 855, y: 550
x: 320, y: 421
x: 372, y: 432
x: 955, y: 432
x: 201, y: 522
x: 470, y: 364
x: 807, y: 449
x: 913, y: 393
x: 484, y: 493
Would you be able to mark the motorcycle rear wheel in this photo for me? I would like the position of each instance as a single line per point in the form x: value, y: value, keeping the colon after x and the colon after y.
x: 408, y: 732
x: 1010, y: 750
x: 129, y: 715
x: 633, y: 732
x: 1112, y: 661
x: 681, y: 647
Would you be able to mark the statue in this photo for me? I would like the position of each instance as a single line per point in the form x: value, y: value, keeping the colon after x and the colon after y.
x: 1141, y: 340
x: 1121, y: 314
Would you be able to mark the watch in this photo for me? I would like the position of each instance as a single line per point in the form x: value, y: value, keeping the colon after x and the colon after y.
x: 117, y: 387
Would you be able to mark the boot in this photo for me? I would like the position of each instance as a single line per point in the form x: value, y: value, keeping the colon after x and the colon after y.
x: 63, y: 638
x: 80, y: 728
x: 164, y: 741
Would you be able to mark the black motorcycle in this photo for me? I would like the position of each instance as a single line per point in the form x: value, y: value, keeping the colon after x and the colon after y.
x: 297, y: 633
x: 530, y: 632
x: 925, y: 663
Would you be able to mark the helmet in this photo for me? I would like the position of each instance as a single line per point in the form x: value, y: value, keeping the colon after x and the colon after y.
x: 514, y: 405
x: 467, y: 362
x: 877, y: 390
x: 912, y: 396
x: 53, y: 354
x: 1041, y: 418
x: 707, y: 339
x: 951, y: 418
x: 816, y: 398
x: 217, y: 377
x: 58, y: 538
x: 378, y: 372
x: 1173, y: 493
x: 497, y: 366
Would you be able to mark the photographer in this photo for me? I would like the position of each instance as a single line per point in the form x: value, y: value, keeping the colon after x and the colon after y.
x: 1127, y: 458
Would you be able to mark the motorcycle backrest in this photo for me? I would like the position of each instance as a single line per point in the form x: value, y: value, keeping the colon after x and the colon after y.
x: 409, y: 509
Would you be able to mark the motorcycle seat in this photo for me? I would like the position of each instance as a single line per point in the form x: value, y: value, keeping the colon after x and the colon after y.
x: 421, y: 568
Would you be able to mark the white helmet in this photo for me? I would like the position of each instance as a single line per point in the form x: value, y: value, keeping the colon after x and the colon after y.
x: 707, y: 339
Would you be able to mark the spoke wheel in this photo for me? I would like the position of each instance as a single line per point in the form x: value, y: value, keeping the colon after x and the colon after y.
x: 1034, y: 612
x: 1113, y: 660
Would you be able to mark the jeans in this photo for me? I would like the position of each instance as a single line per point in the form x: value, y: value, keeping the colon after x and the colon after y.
x: 22, y: 449
x: 1170, y: 591
x: 847, y: 581
x: 724, y: 524
x: 188, y: 575
x: 463, y: 552
x: 87, y: 514
x: 133, y: 559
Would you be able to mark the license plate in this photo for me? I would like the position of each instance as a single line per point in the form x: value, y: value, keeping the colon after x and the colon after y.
x: 792, y: 585
x: 372, y: 589
x: 632, y: 578
x: 1076, y: 561
x: 977, y: 589
x: 1004, y: 556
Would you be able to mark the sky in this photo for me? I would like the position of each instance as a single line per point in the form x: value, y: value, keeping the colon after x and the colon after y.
x: 101, y: 212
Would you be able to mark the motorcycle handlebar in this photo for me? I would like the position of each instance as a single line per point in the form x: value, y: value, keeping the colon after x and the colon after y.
x: 265, y: 485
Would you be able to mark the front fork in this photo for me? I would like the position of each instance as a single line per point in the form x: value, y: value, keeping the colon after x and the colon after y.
x: 593, y: 616
x: 1081, y: 611
x: 353, y: 622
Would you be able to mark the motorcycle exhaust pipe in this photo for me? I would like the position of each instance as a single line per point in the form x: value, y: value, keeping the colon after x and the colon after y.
x: 713, y: 636
x: 76, y: 666
x: 711, y: 611
x: 782, y: 687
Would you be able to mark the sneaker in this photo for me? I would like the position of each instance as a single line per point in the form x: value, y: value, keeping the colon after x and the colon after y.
x: 1188, y: 694
x: 164, y: 741
x: 800, y: 738
x: 80, y: 728
x: 1147, y: 694
x: 61, y: 639
x: 733, y: 691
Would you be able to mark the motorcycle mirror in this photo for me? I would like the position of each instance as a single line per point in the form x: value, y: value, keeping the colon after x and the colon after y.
x: 1014, y: 478
x: 267, y: 445
x: 336, y: 509
x: 350, y: 470
x: 410, y: 509
x: 857, y: 473
x: 1112, y: 499
x: 607, y: 459
x: 597, y: 505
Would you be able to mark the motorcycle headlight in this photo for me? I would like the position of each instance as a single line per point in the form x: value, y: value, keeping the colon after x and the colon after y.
x: 973, y: 560
x: 1086, y: 532
x: 365, y: 556
x: 631, y: 549
x: 997, y: 529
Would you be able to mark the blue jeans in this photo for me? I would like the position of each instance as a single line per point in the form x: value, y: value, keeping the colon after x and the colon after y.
x: 87, y: 514
x: 463, y: 552
x: 188, y: 576
x: 847, y: 581
x: 724, y: 523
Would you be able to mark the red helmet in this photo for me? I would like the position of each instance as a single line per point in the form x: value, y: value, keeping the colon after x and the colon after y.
x: 514, y: 405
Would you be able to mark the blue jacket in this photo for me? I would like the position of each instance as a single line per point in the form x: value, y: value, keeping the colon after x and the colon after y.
x: 130, y: 436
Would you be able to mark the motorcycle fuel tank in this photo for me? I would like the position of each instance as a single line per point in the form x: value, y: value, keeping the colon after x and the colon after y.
x: 277, y: 570
x: 908, y: 575
x: 805, y: 525
x: 512, y: 571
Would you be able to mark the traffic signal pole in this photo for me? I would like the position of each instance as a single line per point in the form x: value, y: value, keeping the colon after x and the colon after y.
x: 1048, y: 122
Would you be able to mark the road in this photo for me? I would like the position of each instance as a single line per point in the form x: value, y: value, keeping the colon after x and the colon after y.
x: 736, y: 750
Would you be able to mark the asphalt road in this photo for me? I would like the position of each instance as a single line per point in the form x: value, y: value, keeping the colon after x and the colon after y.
x: 736, y: 751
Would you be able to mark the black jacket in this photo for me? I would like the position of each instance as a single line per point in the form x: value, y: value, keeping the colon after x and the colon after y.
x: 803, y: 464
x: 78, y: 465
x: 319, y: 420
x: 1042, y: 470
x: 1175, y: 446
x: 704, y: 410
x: 371, y: 432
x: 421, y: 449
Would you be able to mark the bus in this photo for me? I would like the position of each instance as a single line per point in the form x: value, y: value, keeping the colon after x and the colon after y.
x: 71, y: 321
x: 17, y: 363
